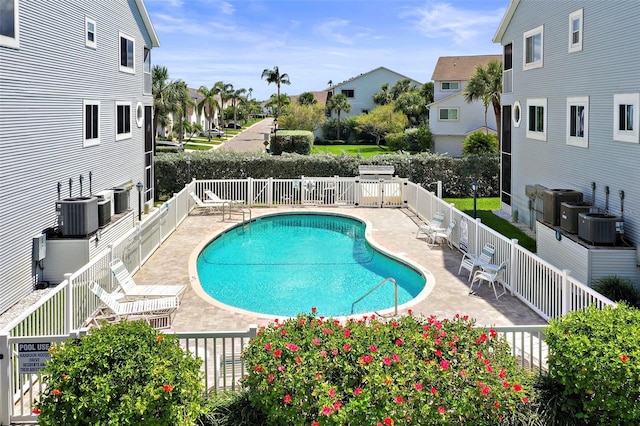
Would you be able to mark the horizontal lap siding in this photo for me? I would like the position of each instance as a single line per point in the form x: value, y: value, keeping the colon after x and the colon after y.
x: 605, y: 66
x: 42, y: 87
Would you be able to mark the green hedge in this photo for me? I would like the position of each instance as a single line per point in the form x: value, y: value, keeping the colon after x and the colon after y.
x: 298, y: 141
x: 456, y: 174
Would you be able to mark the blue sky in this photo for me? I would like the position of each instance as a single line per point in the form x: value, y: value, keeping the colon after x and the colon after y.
x: 204, y: 41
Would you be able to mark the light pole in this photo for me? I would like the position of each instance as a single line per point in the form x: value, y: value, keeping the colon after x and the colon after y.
x: 139, y: 187
x: 188, y: 168
x: 474, y: 186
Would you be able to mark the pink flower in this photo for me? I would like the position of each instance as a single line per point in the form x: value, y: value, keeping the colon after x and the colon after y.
x: 418, y: 386
x: 525, y: 399
x: 410, y: 311
x: 394, y: 324
x: 332, y: 393
x: 438, y: 353
x: 395, y: 357
x: 292, y: 347
x: 314, y: 309
x: 517, y: 387
x: 441, y: 409
x: 346, y: 332
x: 496, y: 404
x: 334, y: 352
x: 399, y: 342
x: 388, y: 421
x: 287, y: 399
x: 316, y: 342
x: 373, y: 348
x: 346, y: 348
x: 386, y: 360
x: 281, y: 368
x: 323, y: 353
x: 326, y: 410
x: 624, y: 358
x: 398, y: 399
x: 434, y: 391
x: 315, y: 423
x: 444, y: 364
x: 486, y: 390
x: 502, y: 373
x: 357, y: 391
x: 297, y: 360
x: 337, y: 405
x: 366, y: 359
x: 268, y: 346
x: 271, y: 378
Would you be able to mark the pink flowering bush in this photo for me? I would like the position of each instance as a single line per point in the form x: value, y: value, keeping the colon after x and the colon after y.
x: 310, y: 370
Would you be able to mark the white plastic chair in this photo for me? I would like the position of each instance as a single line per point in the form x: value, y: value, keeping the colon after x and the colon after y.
x: 434, y: 224
x: 472, y: 261
x: 210, y: 205
x: 492, y: 276
x: 434, y: 236
x: 133, y: 290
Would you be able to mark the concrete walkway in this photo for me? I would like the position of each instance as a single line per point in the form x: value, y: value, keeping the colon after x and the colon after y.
x: 392, y: 229
x: 250, y: 139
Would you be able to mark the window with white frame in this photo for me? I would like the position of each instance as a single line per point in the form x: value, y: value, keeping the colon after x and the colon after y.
x: 9, y: 23
x: 123, y: 120
x: 575, y: 31
x: 533, y: 48
x: 91, y: 126
x: 578, y: 121
x: 448, y: 114
x: 516, y: 114
x: 127, y: 48
x: 450, y: 85
x: 626, y: 117
x: 90, y: 32
x: 537, y: 119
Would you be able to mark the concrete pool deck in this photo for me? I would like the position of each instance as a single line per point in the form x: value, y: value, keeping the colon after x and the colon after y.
x: 392, y: 229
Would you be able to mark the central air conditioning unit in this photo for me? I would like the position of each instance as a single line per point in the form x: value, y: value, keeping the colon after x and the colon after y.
x: 77, y: 217
x: 104, y: 210
x: 598, y: 228
x: 569, y: 215
x: 120, y: 200
x: 552, y: 199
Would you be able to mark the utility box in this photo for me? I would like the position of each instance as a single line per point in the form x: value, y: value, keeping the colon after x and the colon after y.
x: 39, y: 247
x: 553, y: 198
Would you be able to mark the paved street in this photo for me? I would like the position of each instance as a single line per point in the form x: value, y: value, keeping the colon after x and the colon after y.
x: 251, y: 139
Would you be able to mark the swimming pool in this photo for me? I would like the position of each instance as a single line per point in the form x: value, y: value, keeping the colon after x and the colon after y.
x: 285, y: 264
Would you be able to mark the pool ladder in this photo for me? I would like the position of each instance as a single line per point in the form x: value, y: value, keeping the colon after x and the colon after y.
x: 380, y: 284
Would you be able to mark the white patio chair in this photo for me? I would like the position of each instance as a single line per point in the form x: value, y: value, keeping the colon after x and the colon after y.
x: 472, y: 261
x: 213, y: 197
x: 131, y: 290
x: 434, y: 224
x: 209, y: 206
x: 438, y: 236
x: 492, y: 275
x: 149, y: 309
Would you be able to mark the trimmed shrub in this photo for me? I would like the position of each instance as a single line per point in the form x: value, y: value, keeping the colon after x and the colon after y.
x: 293, y: 141
x: 419, y: 139
x: 397, y: 142
x: 405, y: 371
x: 480, y: 143
x: 618, y: 289
x: 594, y: 360
x: 121, y: 374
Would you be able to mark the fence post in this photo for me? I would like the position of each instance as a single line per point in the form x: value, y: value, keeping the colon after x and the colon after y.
x: 270, y: 191
x: 5, y: 379
x: 253, y: 330
x: 250, y: 192
x: 439, y: 193
x: 566, y: 292
x: 513, y: 265
x: 68, y: 312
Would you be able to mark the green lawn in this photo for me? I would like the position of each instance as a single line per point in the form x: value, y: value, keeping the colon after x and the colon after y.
x: 484, y: 207
x: 364, y: 151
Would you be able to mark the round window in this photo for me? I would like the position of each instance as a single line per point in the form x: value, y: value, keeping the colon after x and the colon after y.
x: 516, y: 114
x: 139, y: 114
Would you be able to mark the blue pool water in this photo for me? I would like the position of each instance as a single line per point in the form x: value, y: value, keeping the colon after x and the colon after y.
x: 286, y: 264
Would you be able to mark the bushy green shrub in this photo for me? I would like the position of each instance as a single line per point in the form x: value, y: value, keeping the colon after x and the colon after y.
x: 480, y: 143
x: 419, y: 139
x: 121, y: 374
x: 171, y: 172
x: 230, y: 408
x: 407, y: 371
x: 618, y: 289
x: 397, y: 142
x: 292, y: 141
x: 594, y: 359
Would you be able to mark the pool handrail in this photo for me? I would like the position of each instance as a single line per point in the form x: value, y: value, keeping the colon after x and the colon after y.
x: 380, y: 284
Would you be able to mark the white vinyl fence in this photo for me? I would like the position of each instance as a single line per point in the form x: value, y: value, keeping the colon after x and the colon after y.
x: 64, y: 310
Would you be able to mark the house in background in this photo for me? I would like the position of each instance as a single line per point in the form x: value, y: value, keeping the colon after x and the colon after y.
x: 571, y: 122
x: 451, y: 118
x: 360, y: 90
x: 75, y: 119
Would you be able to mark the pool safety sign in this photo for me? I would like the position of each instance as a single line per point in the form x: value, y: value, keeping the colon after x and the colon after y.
x: 32, y: 356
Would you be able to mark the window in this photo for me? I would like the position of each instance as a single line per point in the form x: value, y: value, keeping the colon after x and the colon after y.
x: 516, y: 114
x: 127, y: 54
x: 146, y: 69
x: 365, y: 111
x: 139, y: 114
x: 91, y: 128
x: 123, y: 120
x: 578, y: 121
x: 90, y: 31
x: 537, y: 119
x: 448, y: 114
x: 9, y: 23
x: 349, y: 93
x: 626, y: 117
x: 507, y: 65
x: 533, y: 48
x: 575, y: 31
x: 450, y: 85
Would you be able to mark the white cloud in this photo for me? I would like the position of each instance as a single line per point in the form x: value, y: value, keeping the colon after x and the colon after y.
x: 227, y: 8
x: 442, y: 20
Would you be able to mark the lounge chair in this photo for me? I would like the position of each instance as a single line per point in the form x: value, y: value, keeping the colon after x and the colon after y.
x: 131, y: 290
x: 435, y: 224
x: 472, y: 261
x: 492, y: 275
x: 162, y: 308
x: 209, y: 206
x: 435, y: 237
x: 213, y: 197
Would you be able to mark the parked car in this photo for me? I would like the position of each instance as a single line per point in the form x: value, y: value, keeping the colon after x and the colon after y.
x: 173, y: 144
x: 216, y: 133
x: 233, y: 125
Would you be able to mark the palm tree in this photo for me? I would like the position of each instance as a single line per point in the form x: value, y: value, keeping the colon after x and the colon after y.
x: 307, y: 98
x: 275, y: 100
x: 274, y: 76
x: 183, y: 101
x: 383, y: 97
x: 235, y: 100
x: 209, y: 104
x: 339, y: 103
x: 250, y: 92
x: 163, y: 96
x: 486, y: 85
x: 412, y: 104
x: 224, y: 91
